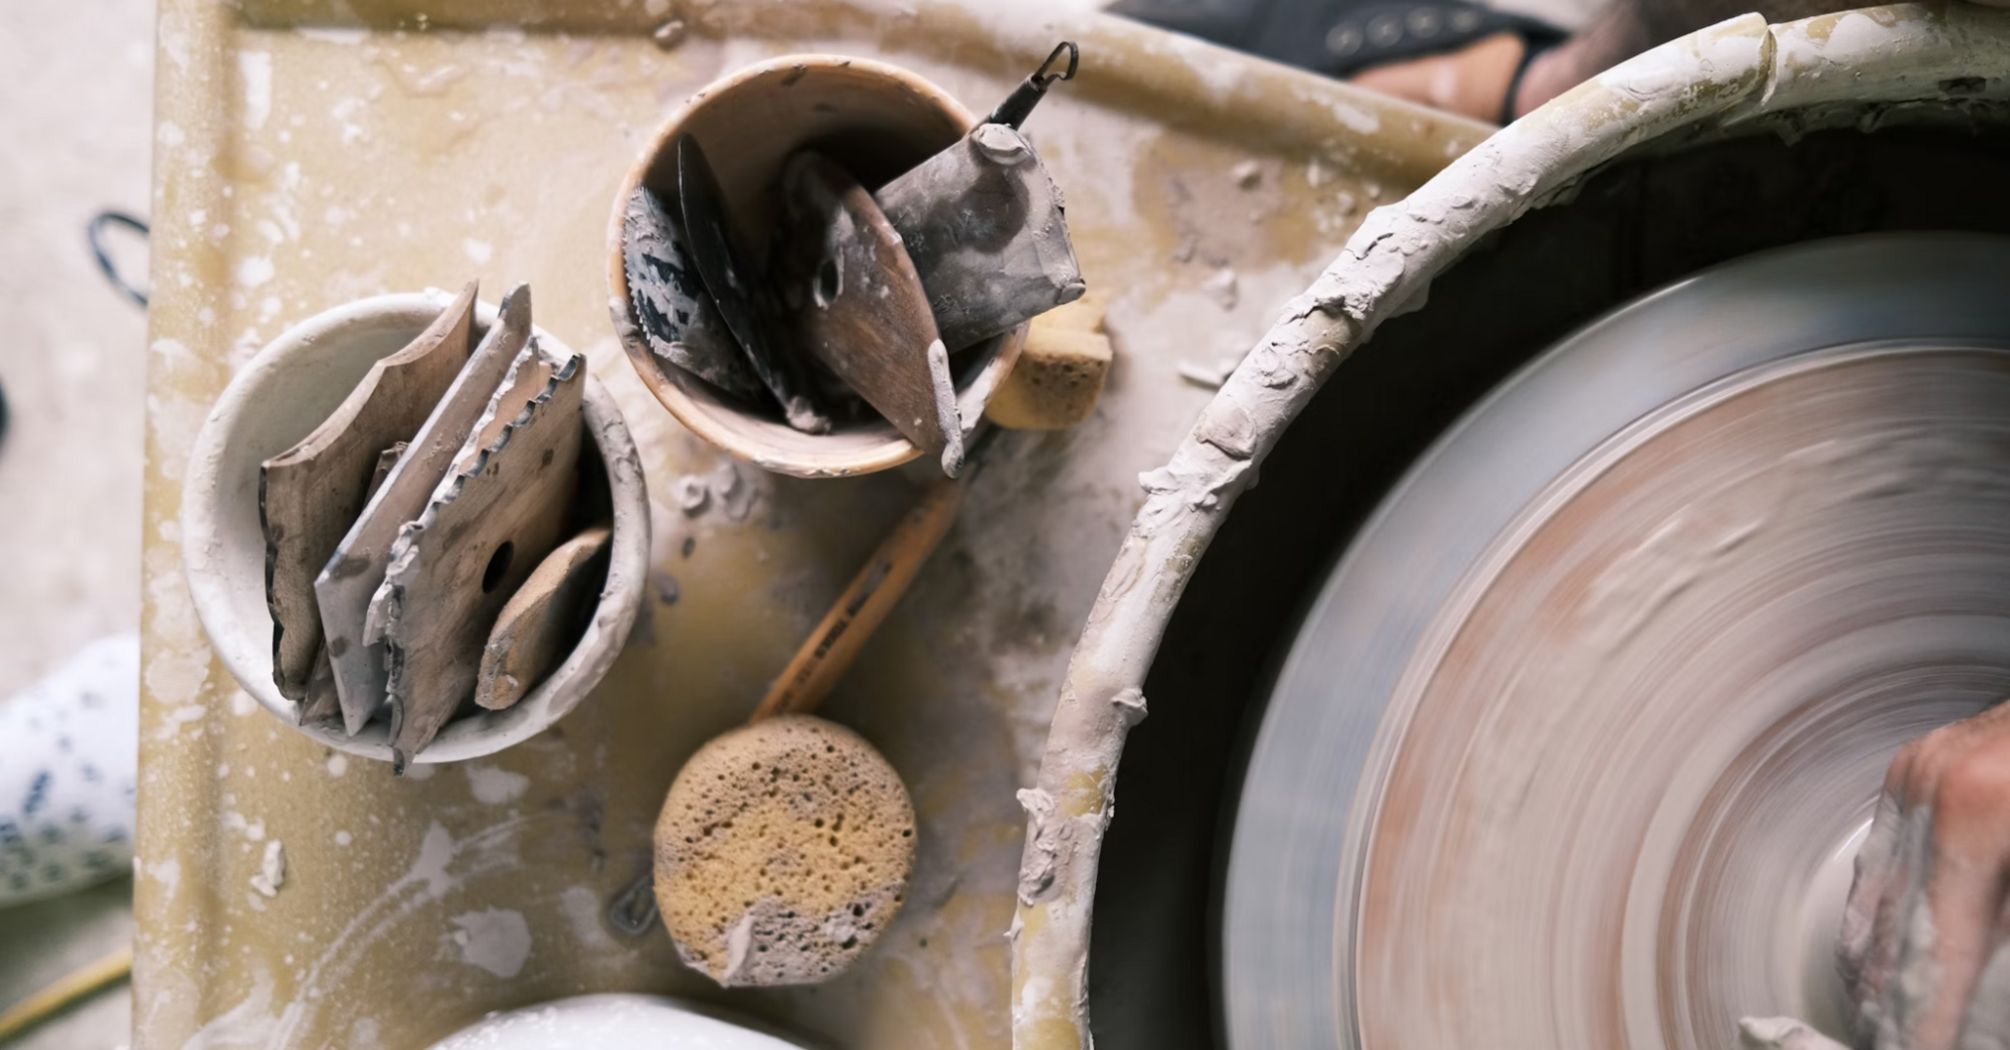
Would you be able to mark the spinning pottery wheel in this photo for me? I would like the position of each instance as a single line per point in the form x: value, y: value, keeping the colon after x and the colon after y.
x: 1574, y: 747
x: 1577, y: 743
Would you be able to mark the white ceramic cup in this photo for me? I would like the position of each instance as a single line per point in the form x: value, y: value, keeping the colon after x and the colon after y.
x: 280, y: 397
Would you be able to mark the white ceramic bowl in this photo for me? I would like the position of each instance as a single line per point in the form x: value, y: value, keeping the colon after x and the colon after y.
x: 282, y: 395
x: 614, y: 1022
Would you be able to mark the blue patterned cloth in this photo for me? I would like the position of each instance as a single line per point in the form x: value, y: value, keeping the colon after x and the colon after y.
x: 69, y: 756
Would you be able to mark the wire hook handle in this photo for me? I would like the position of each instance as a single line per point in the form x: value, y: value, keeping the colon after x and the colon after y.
x: 1017, y: 106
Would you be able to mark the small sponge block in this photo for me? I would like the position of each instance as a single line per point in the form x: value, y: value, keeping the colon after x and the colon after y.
x: 783, y: 851
x: 1060, y: 374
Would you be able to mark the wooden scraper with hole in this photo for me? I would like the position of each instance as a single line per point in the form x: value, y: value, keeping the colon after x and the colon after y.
x: 503, y: 506
x: 346, y: 584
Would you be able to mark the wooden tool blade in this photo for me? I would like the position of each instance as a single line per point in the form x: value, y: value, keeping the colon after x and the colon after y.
x: 309, y: 495
x: 492, y: 520
x: 542, y: 620
x: 323, y: 703
x: 352, y: 574
x: 865, y: 314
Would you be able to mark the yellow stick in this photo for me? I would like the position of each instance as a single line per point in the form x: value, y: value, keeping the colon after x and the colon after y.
x: 67, y: 990
x: 873, y: 592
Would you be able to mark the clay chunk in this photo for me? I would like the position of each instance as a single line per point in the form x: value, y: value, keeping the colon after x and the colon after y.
x: 823, y: 819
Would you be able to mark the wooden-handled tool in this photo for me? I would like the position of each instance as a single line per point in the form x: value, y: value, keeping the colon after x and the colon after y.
x: 828, y: 653
x: 865, y: 314
x: 827, y: 862
x: 858, y: 612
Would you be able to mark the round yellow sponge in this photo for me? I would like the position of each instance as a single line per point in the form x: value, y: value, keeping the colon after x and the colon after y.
x: 782, y: 852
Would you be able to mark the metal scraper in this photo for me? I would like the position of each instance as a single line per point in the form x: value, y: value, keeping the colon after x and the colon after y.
x: 749, y: 313
x: 676, y: 313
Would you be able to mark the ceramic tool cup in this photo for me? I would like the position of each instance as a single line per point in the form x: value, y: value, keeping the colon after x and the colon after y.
x: 275, y: 400
x: 874, y: 119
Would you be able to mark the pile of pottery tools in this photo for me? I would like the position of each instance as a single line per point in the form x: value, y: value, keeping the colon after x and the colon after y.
x: 428, y: 549
x: 864, y: 298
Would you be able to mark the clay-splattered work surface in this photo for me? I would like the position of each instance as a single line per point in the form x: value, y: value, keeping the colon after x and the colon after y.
x: 302, y: 166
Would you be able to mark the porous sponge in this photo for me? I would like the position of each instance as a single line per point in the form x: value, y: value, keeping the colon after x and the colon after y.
x: 1060, y: 373
x: 782, y: 852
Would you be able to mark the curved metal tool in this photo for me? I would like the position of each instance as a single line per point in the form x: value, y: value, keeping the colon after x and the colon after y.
x: 1573, y: 748
x: 740, y: 296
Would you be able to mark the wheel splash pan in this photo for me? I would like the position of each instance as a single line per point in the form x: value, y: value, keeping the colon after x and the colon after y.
x: 1572, y: 749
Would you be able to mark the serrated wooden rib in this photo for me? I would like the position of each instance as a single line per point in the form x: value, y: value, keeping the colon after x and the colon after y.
x: 512, y: 483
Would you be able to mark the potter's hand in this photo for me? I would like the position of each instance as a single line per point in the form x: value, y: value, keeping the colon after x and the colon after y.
x: 1926, y: 936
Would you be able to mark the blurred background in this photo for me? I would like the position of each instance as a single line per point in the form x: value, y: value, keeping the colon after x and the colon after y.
x: 77, y: 120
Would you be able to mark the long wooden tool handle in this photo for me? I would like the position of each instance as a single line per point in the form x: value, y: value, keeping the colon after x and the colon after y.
x: 67, y: 991
x: 859, y: 611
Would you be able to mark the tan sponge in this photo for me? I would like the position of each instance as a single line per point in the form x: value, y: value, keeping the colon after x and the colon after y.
x: 782, y: 852
x: 1060, y: 374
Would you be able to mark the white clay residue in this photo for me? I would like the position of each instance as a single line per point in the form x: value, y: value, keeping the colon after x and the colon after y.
x: 496, y: 786
x: 256, y: 68
x: 494, y: 939
x: 345, y: 35
x: 166, y: 872
x: 436, y: 851
x: 946, y: 415
x: 171, y: 723
x: 1782, y: 1033
x: 586, y: 913
x: 271, y: 870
